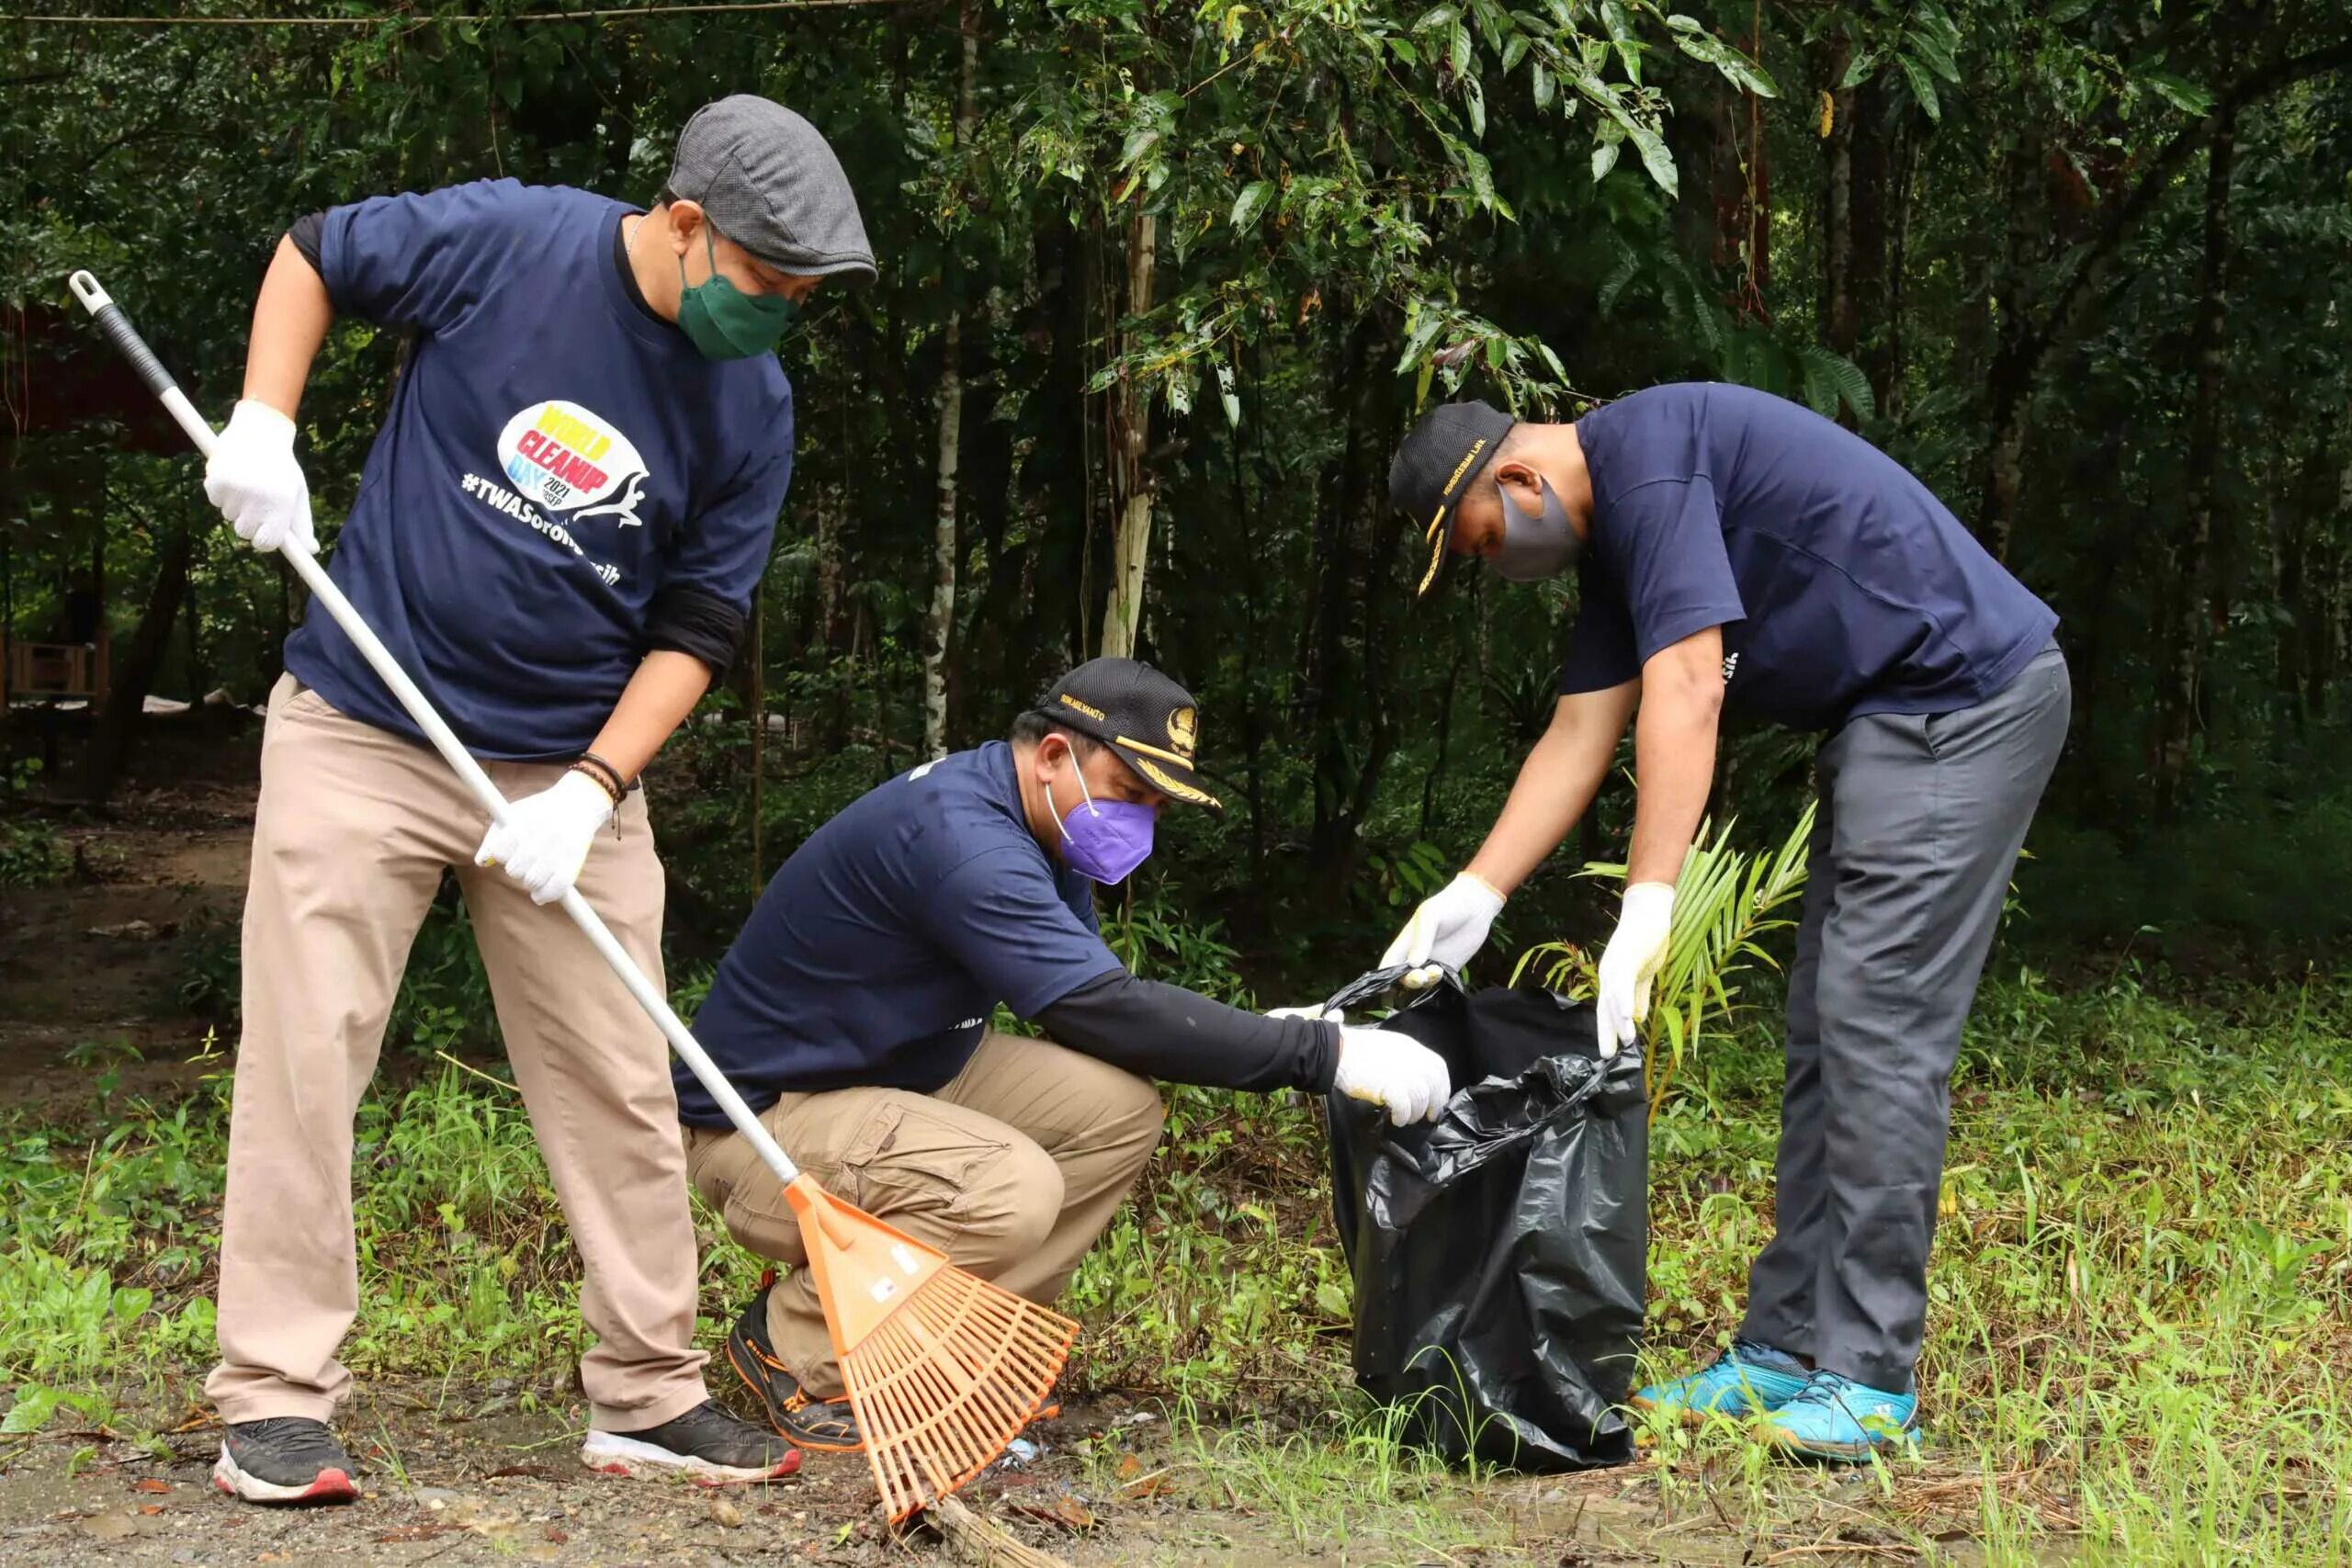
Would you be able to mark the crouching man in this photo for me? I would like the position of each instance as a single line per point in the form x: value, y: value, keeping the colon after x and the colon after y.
x: 853, y: 1016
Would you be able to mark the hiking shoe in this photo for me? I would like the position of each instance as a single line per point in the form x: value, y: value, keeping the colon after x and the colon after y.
x: 1748, y: 1379
x: 285, y: 1458
x: 705, y: 1444
x: 1836, y: 1418
x: 826, y: 1426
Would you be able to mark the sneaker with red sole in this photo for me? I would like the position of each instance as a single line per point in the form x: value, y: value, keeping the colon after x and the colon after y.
x: 706, y: 1446
x: 285, y: 1459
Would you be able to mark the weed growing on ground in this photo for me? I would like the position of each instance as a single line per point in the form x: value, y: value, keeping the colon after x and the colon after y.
x: 2137, y: 1349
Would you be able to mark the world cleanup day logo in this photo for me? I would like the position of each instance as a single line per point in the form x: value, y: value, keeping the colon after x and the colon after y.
x: 570, y: 459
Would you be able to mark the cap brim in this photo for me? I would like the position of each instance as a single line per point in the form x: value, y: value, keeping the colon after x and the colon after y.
x: 858, y: 270
x: 1165, y: 772
x: 1437, y: 538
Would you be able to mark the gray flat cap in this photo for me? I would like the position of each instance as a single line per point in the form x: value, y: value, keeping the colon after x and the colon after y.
x: 773, y: 186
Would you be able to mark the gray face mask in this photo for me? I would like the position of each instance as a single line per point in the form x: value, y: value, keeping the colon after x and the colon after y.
x: 1535, y: 548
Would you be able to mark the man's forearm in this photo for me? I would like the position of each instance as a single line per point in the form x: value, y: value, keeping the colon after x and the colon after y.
x: 1556, y: 785
x: 1157, y: 1031
x: 1674, y: 758
x: 290, y: 320
x: 659, y: 696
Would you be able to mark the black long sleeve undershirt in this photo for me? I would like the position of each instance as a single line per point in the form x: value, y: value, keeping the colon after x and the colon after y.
x: 1166, y: 1032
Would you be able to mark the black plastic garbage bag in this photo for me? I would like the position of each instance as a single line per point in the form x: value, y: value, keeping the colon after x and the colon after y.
x: 1499, y: 1253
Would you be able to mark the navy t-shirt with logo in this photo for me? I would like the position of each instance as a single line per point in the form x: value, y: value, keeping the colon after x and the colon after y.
x: 553, y: 458
x: 883, y: 944
x: 1842, y: 585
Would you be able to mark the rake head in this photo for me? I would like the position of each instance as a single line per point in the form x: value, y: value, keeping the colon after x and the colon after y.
x: 943, y: 1368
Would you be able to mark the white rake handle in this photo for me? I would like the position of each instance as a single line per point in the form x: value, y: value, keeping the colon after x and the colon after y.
x: 120, y: 332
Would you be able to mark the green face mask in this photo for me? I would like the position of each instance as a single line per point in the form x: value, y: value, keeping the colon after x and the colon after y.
x: 722, y: 320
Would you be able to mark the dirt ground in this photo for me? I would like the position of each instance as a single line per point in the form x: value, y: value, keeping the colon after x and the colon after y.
x: 100, y: 959
x: 465, y: 1478
x: 455, y: 1476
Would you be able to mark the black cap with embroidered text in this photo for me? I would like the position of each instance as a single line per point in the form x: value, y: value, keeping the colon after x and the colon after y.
x: 1450, y: 447
x: 1148, y: 719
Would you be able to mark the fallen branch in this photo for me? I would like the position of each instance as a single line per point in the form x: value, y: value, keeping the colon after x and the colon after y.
x: 1843, y: 1549
x: 984, y: 1545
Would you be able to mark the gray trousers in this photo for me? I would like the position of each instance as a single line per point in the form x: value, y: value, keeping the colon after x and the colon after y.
x: 1921, y: 822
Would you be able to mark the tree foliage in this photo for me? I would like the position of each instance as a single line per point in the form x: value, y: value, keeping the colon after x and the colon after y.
x: 1980, y: 232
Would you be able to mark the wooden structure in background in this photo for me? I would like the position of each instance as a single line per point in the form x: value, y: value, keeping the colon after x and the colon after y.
x: 53, y: 669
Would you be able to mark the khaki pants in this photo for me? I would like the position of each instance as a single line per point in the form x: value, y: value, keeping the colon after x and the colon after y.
x: 353, y: 832
x: 1012, y: 1171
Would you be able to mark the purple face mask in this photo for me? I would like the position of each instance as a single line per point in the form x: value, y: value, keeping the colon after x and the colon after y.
x: 1103, y: 839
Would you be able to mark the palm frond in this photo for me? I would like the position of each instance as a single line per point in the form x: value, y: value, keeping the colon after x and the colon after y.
x: 1725, y: 902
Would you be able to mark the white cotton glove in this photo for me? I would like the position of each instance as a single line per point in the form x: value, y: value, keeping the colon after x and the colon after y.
x: 1329, y: 1015
x: 1391, y: 1070
x: 1446, y: 931
x: 544, y: 840
x: 1635, y: 952
x: 254, y: 481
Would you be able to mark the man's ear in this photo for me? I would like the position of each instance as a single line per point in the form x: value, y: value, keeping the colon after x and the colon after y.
x: 1526, y: 484
x: 685, y: 224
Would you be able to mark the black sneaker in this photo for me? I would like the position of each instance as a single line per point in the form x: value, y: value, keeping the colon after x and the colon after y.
x: 705, y: 1445
x: 286, y: 1459
x: 826, y: 1426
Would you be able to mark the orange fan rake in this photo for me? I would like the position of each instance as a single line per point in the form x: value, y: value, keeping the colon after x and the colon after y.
x: 944, y: 1367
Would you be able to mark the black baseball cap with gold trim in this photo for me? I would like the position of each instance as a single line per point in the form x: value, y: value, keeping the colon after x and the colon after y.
x: 1432, y: 470
x: 1148, y: 719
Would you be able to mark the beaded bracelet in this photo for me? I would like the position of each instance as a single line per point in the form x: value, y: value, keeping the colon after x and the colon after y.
x: 601, y: 772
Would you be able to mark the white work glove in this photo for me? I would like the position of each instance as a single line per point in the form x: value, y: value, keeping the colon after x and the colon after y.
x: 1446, y: 931
x: 1391, y: 1070
x: 544, y: 840
x: 254, y: 481
x: 1635, y: 952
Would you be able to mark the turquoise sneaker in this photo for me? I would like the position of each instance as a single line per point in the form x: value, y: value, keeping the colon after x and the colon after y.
x: 1836, y: 1418
x: 1746, y: 1380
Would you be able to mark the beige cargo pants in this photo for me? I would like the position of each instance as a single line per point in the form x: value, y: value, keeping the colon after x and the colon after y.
x: 353, y: 832
x: 1012, y: 1170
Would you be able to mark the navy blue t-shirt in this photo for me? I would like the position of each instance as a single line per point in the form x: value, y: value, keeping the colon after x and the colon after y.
x: 553, y: 458
x: 1842, y: 585
x: 883, y: 944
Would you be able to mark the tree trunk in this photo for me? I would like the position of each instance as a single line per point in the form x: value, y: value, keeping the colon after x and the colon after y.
x: 951, y: 433
x: 2186, y: 624
x: 2324, y: 655
x: 1253, y: 722
x: 1856, y: 202
x: 134, y: 672
x: 1131, y: 424
x: 2017, y: 359
x: 2289, y: 537
x: 941, y: 623
x: 757, y: 707
x: 831, y: 623
x: 1883, y: 363
x: 1838, y: 323
x: 1871, y: 204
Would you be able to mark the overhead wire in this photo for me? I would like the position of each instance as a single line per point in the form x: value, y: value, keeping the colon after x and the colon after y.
x: 610, y: 14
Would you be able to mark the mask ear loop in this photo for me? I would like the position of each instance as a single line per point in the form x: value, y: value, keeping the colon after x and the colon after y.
x: 710, y: 249
x: 1084, y: 794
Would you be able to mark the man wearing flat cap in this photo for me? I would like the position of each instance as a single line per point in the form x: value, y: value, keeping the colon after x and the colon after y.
x: 1735, y: 551
x: 852, y: 1014
x: 557, y: 534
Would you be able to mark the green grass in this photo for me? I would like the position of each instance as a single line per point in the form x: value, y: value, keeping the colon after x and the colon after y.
x: 2139, y: 1351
